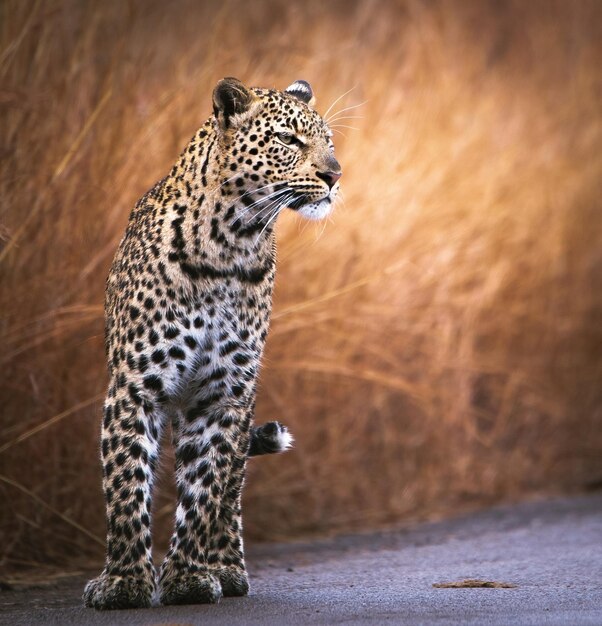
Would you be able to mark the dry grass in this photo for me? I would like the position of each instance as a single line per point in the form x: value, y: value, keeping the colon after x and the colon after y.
x: 438, y: 346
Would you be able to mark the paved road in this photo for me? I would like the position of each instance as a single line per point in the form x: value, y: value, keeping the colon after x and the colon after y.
x: 551, y: 551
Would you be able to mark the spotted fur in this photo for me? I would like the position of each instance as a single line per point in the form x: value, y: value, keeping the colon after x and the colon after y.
x: 188, y: 304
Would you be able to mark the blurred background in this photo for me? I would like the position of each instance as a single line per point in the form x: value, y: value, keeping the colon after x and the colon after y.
x: 436, y: 346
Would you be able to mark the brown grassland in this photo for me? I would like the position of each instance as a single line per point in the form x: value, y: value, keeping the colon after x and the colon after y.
x: 435, y: 346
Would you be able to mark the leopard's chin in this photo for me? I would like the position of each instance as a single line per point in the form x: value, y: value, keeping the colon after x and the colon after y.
x: 316, y: 210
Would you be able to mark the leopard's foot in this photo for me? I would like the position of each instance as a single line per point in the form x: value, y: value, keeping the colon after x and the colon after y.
x: 234, y: 580
x: 108, y: 592
x: 190, y: 588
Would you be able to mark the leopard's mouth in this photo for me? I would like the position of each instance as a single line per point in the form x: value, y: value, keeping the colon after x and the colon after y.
x: 300, y: 200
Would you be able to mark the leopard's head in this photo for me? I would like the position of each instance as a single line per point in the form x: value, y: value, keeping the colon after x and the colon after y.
x: 276, y: 150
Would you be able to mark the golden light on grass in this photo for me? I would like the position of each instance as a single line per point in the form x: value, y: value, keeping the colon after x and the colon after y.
x: 435, y: 346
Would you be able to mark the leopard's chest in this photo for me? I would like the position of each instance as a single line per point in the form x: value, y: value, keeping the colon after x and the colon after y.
x: 217, y: 345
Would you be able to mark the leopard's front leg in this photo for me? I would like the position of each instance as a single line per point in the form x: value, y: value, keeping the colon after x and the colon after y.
x: 130, y: 445
x: 211, y: 449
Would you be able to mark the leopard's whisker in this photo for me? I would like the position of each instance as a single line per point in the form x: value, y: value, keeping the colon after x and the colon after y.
x: 344, y: 126
x: 261, y: 188
x: 273, y: 206
x: 258, y: 201
x: 346, y: 117
x: 353, y: 106
x: 274, y: 215
x: 267, y: 199
x: 338, y: 116
x: 264, y: 210
x: 262, y: 198
x: 329, y: 109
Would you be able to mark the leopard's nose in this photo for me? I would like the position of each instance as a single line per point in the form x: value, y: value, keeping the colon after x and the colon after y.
x: 330, y: 178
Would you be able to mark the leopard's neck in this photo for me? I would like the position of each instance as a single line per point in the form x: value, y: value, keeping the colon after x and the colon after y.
x: 211, y: 223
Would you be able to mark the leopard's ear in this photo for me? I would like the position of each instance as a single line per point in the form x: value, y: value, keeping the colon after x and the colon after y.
x: 230, y: 98
x: 302, y: 90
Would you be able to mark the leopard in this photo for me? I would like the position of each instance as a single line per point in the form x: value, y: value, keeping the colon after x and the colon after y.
x: 187, y: 309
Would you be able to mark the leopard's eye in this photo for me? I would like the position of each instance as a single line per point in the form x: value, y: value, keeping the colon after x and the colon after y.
x: 288, y: 139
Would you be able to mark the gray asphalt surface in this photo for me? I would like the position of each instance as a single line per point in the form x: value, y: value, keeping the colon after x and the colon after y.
x: 551, y: 550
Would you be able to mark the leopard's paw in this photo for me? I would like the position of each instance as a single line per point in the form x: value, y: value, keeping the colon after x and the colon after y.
x: 190, y: 588
x: 233, y: 579
x: 109, y: 592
